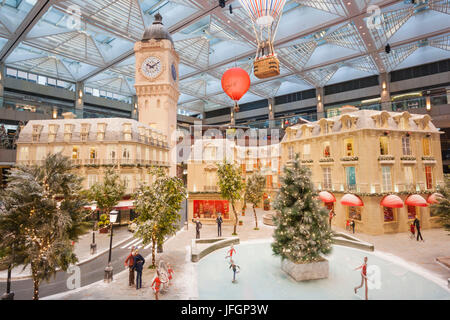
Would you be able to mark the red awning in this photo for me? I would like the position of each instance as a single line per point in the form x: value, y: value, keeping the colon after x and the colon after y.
x: 351, y: 200
x: 392, y: 201
x: 433, y: 198
x: 326, y: 197
x: 416, y: 200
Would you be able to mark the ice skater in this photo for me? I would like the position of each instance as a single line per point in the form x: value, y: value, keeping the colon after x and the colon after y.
x: 230, y: 253
x: 235, y: 269
x: 363, y: 268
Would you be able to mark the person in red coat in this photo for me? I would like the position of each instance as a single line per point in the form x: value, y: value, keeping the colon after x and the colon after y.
x: 363, y: 268
x: 170, y: 270
x: 156, y: 285
x: 129, y: 263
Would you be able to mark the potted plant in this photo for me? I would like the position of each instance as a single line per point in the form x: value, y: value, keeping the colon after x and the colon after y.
x: 266, y: 204
x: 241, y: 222
x: 103, y: 224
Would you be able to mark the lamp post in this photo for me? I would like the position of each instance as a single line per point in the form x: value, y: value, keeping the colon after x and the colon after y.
x: 109, y: 269
x: 9, y: 295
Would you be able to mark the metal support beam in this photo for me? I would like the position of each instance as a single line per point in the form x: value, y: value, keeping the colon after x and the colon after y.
x: 39, y: 9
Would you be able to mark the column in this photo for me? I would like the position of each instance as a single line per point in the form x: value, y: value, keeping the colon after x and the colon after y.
x: 320, y: 102
x: 385, y: 92
x: 79, y: 99
x: 232, y: 116
x: 134, y: 108
x: 2, y: 82
x: 271, y: 104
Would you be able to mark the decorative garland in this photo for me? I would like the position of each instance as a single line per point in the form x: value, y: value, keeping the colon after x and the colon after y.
x: 408, y: 158
x: 307, y: 161
x: 428, y: 158
x: 326, y: 159
x: 382, y: 158
x: 349, y: 159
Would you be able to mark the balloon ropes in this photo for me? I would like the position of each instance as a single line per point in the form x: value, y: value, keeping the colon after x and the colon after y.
x: 235, y: 83
x: 265, y: 16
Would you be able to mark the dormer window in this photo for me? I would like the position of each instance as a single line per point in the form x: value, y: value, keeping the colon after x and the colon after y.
x: 101, y: 129
x: 142, y: 134
x: 52, y: 132
x: 68, y: 130
x: 84, y: 134
x: 37, y: 129
x: 127, y: 131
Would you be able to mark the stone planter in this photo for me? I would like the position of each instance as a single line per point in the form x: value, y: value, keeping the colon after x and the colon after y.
x: 306, y: 271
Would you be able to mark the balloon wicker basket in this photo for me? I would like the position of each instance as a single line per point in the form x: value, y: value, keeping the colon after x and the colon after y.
x: 266, y: 67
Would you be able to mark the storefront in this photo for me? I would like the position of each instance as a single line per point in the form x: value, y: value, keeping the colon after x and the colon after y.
x: 207, y: 206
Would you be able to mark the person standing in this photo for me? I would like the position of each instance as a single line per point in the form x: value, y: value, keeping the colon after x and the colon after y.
x: 129, y: 263
x: 363, y: 268
x: 198, y: 226
x: 352, y: 224
x: 138, y: 266
x: 235, y: 268
x: 219, y: 221
x: 417, y: 224
x: 331, y: 215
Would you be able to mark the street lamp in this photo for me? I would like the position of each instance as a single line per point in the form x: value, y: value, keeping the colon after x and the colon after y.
x: 109, y: 269
x: 9, y: 295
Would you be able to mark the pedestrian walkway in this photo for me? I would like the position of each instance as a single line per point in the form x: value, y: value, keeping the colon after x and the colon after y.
x: 184, y: 285
x: 82, y: 250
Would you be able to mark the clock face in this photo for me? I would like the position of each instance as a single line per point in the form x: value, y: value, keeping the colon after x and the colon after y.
x: 174, y: 72
x: 151, y: 67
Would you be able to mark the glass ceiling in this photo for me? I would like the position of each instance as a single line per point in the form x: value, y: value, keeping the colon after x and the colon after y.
x: 318, y: 42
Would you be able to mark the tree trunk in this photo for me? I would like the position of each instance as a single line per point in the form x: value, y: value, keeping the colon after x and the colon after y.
x: 235, y: 218
x: 256, y: 218
x: 153, y: 251
x: 35, y: 282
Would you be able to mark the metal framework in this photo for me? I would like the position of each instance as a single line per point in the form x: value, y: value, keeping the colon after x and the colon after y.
x: 99, y: 52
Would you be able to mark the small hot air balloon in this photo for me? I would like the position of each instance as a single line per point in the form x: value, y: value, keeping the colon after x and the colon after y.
x: 235, y: 83
x: 265, y: 15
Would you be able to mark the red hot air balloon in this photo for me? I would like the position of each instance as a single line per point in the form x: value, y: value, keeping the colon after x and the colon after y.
x: 235, y: 83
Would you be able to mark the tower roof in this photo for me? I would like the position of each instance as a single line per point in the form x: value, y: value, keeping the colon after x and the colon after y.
x: 157, y: 30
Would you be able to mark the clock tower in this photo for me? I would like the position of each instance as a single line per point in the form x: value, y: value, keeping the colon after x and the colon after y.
x: 156, y: 83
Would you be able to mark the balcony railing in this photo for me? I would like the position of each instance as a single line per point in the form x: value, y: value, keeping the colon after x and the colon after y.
x: 211, y: 188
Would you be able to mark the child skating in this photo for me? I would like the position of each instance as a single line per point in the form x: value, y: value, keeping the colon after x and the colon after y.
x: 235, y: 269
x: 363, y: 268
x: 230, y: 252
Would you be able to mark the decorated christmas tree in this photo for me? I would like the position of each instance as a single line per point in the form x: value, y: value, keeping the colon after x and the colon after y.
x: 302, y: 233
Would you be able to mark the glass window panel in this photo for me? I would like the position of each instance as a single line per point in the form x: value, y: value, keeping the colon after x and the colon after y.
x: 388, y: 214
x: 384, y: 150
x: 426, y: 146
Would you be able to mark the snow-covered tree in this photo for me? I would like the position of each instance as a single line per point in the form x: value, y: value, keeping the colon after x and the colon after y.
x: 231, y: 186
x: 107, y: 193
x: 254, y: 191
x: 158, y: 207
x: 442, y: 207
x: 42, y: 213
x: 302, y: 232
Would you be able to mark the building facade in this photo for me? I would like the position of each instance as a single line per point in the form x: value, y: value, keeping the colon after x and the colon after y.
x: 205, y: 201
x: 371, y: 154
x: 94, y: 145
